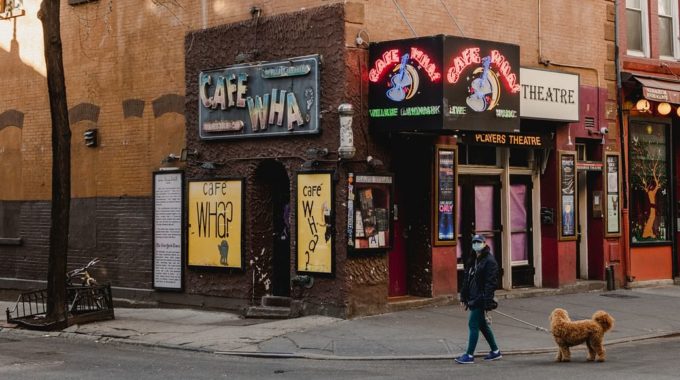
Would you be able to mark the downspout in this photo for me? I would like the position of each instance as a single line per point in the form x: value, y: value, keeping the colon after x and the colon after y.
x: 623, y: 138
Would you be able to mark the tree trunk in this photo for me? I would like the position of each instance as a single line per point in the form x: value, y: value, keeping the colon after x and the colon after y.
x: 648, y: 231
x: 61, y: 163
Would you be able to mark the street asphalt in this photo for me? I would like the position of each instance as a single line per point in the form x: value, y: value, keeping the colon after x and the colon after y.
x: 434, y: 332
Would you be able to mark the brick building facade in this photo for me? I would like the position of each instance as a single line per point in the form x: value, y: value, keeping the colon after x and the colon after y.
x: 131, y: 73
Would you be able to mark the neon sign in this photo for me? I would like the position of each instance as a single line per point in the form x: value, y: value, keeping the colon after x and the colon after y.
x: 393, y: 56
x: 471, y: 55
x: 389, y: 57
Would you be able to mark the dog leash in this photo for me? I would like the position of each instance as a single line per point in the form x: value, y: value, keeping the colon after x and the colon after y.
x: 539, y: 328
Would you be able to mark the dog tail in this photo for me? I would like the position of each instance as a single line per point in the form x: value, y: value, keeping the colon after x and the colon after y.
x: 604, y: 319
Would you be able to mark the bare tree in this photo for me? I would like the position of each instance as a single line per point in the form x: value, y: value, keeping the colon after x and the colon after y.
x: 61, y: 164
x: 648, y: 173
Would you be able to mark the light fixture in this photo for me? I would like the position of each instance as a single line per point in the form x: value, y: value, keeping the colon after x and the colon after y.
x: 346, y: 149
x: 569, y: 143
x: 677, y: 111
x: 663, y: 108
x: 643, y: 105
x: 11, y: 9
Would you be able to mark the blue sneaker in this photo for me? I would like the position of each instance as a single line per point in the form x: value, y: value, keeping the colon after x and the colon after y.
x: 493, y: 355
x: 465, y: 359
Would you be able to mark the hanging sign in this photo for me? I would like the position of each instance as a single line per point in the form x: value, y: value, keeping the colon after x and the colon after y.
x: 315, y: 216
x: 216, y: 223
x: 259, y: 100
x: 481, y: 86
x: 405, y: 84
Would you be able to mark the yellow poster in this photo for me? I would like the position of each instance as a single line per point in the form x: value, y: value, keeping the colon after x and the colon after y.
x: 314, y: 223
x: 215, y: 223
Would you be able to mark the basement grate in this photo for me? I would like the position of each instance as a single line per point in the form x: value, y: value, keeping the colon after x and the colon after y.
x: 617, y: 295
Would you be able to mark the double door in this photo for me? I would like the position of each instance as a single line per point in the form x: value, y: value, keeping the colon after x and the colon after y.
x: 479, y: 211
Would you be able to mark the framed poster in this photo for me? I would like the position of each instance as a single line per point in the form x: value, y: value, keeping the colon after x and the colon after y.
x: 567, y: 195
x: 168, y: 236
x: 612, y: 205
x: 215, y: 227
x: 315, y: 223
x: 371, y: 222
x: 444, y: 227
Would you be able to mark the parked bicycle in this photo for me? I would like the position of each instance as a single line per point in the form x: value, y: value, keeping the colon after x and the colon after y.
x: 81, y: 288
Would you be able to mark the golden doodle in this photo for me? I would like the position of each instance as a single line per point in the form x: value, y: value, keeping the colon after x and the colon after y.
x: 568, y: 333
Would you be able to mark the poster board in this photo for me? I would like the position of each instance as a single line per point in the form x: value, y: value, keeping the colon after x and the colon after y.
x: 215, y: 230
x: 443, y: 225
x: 168, y: 236
x: 567, y: 195
x: 371, y: 223
x: 315, y: 216
x: 612, y: 195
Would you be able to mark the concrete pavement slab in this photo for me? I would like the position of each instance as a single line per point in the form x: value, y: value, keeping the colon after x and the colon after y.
x: 437, y: 332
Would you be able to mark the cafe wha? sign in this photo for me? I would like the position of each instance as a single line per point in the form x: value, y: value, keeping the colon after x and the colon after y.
x: 260, y: 100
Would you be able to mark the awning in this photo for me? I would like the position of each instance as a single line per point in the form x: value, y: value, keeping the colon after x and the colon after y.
x: 660, y: 90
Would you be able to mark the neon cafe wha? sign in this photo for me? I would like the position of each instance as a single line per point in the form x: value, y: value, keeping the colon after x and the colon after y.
x: 444, y: 82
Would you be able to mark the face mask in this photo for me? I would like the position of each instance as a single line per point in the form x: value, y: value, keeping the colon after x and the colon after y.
x: 478, y: 246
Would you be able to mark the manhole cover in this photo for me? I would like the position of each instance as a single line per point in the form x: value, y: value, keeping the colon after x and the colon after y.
x: 616, y: 295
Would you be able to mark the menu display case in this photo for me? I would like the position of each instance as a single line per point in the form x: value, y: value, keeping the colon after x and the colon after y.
x: 369, y: 212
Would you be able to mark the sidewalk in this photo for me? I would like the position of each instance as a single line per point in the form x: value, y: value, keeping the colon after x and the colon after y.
x: 428, y: 333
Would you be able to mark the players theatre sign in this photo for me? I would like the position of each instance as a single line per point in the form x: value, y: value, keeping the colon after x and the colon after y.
x: 444, y: 82
x: 257, y: 100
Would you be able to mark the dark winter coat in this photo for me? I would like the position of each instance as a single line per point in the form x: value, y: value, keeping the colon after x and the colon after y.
x: 480, y: 281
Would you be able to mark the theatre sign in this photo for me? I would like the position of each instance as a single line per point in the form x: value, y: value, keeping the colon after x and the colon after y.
x: 260, y: 100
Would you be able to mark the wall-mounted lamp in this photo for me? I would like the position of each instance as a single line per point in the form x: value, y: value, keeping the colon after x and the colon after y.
x: 643, y: 105
x: 184, y: 155
x: 90, y: 137
x: 346, y: 150
x: 663, y: 108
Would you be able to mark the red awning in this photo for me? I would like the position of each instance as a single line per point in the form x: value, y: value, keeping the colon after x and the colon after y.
x: 660, y: 90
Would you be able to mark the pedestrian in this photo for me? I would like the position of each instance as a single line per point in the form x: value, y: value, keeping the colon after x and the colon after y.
x: 477, y: 295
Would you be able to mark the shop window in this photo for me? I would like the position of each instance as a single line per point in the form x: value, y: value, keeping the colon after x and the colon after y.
x: 477, y: 155
x: 668, y: 29
x: 649, y: 196
x: 519, y: 157
x: 637, y: 28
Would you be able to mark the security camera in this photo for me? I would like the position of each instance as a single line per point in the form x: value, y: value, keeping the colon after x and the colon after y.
x: 604, y: 130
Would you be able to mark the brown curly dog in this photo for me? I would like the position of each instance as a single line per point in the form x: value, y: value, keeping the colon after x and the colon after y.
x: 570, y: 333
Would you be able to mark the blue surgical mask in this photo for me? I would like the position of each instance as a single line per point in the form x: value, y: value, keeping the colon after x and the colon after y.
x: 478, y: 246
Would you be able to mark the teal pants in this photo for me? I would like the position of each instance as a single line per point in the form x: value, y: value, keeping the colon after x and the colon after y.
x: 477, y: 323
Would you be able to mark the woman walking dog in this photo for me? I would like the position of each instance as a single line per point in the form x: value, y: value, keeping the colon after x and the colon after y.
x: 477, y: 295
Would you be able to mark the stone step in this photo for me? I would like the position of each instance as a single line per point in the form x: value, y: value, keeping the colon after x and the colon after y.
x: 268, y: 312
x: 276, y: 301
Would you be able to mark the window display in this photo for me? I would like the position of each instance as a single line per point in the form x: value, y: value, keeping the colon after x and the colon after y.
x: 369, y: 210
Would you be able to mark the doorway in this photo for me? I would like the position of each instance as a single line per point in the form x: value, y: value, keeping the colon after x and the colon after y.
x: 479, y: 212
x: 272, y: 222
x: 521, y: 231
x: 590, y: 228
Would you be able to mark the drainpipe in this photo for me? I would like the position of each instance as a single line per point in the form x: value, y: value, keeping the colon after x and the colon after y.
x: 623, y: 138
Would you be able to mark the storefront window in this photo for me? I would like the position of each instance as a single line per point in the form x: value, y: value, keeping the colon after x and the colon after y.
x: 477, y: 155
x: 649, y: 197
